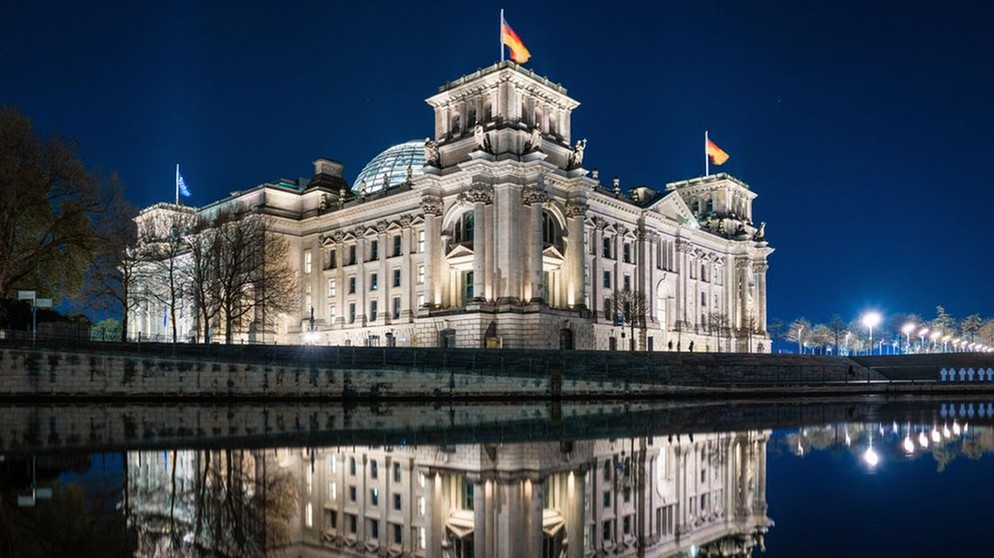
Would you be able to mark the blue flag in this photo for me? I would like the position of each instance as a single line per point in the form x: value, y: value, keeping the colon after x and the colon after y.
x: 181, y: 184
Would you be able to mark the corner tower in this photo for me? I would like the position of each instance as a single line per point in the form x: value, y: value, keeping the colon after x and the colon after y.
x: 505, y: 110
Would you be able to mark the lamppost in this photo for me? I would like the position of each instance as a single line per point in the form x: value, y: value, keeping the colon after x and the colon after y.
x: 921, y: 339
x: 871, y: 320
x: 800, y: 331
x: 906, y: 330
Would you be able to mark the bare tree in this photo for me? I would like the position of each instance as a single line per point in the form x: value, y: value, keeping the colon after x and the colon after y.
x: 797, y: 331
x: 717, y: 324
x: 629, y: 307
x: 203, y: 269
x: 970, y: 325
x: 46, y: 196
x: 776, y: 329
x: 118, y: 260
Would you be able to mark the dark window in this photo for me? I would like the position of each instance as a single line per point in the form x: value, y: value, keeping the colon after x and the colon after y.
x: 607, y: 498
x: 396, y: 307
x: 332, y: 260
x: 374, y: 469
x: 352, y: 494
x: 352, y: 321
x: 468, y: 285
x: 374, y: 497
x: 627, y: 282
x: 396, y: 501
x: 468, y: 496
x: 373, y: 282
x: 550, y: 230
x: 607, y: 247
x: 607, y: 279
x: 464, y: 228
x: 398, y: 534
x: 374, y: 528
x: 374, y: 250
x: 396, y: 472
x: 352, y: 466
x: 352, y: 524
x: 627, y: 252
x: 396, y: 278
x: 352, y: 255
x: 396, y: 245
x: 373, y: 310
x: 352, y: 284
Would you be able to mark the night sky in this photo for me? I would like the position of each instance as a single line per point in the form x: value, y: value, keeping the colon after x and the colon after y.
x: 865, y: 127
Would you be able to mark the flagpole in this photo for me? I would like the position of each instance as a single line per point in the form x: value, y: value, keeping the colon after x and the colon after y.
x: 177, y: 183
x: 707, y: 163
x: 501, y: 32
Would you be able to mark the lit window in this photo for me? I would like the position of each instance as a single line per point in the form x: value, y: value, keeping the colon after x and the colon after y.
x: 309, y: 521
x: 421, y: 241
x: 332, y: 287
x: 421, y: 274
x: 307, y: 261
x: 373, y: 282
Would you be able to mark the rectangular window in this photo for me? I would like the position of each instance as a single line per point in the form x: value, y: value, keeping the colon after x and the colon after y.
x: 422, y: 506
x: 607, y: 280
x: 332, y: 491
x: 374, y: 528
x: 704, y: 299
x: 421, y: 275
x: 606, y: 530
x: 352, y: 321
x: 374, y: 469
x: 332, y: 314
x: 373, y: 310
x: 309, y: 515
x: 352, y: 254
x: 607, y: 498
x: 332, y: 260
x: 307, y: 261
x: 332, y: 287
x: 352, y: 494
x: 373, y: 282
x: 468, y: 496
x: 396, y: 278
x: 396, y: 501
x: 396, y: 472
x: 626, y: 525
x: 398, y: 534
x: 421, y: 241
x: 352, y: 284
x: 396, y: 308
x: 421, y: 301
x: 627, y: 252
x: 332, y: 519
x: 607, y: 247
x: 374, y: 250
x: 352, y: 524
x: 627, y: 282
x: 396, y: 245
x: 374, y: 496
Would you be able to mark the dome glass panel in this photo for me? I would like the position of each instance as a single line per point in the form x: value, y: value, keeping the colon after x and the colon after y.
x: 393, y: 163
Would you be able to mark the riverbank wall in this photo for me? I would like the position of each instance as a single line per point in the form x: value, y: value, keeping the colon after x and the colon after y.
x: 215, y: 372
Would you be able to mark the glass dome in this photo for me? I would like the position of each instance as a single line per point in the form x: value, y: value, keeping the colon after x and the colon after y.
x: 393, y: 163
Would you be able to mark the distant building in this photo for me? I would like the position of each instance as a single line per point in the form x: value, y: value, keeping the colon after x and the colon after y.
x: 492, y: 233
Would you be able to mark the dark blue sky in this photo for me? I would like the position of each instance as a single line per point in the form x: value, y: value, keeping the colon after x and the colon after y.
x: 865, y: 127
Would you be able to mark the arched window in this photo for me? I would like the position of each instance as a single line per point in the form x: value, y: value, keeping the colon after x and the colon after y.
x: 464, y: 228
x: 551, y: 233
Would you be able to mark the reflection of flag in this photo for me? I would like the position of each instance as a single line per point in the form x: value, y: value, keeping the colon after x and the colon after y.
x: 718, y: 156
x: 165, y: 316
x: 511, y: 40
x: 181, y: 184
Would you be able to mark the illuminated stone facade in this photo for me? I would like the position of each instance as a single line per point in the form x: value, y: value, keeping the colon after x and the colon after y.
x: 503, y: 238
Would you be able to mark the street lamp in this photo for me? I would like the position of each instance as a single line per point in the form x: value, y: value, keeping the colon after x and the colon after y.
x: 871, y: 320
x: 906, y: 330
x: 921, y: 339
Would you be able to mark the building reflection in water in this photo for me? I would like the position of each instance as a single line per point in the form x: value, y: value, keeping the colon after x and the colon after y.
x: 655, y: 496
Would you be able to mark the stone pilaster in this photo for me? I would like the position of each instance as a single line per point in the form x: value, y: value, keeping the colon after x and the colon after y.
x: 575, y: 213
x: 431, y: 206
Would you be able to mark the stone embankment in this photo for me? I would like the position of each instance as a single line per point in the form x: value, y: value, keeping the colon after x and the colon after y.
x: 192, y: 372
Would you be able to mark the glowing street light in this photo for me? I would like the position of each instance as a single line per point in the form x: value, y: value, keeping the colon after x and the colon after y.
x: 871, y: 320
x: 906, y: 330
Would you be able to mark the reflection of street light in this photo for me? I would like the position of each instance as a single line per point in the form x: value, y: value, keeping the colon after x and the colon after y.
x: 870, y: 456
x: 871, y: 320
x: 906, y: 330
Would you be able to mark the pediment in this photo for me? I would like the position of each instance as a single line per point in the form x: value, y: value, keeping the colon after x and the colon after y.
x: 459, y: 251
x: 674, y: 208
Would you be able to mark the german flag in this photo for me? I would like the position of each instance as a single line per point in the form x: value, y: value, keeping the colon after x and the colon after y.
x: 511, y: 40
x: 718, y: 156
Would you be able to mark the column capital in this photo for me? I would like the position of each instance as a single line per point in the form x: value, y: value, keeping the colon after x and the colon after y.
x: 576, y: 208
x: 478, y: 193
x: 431, y: 205
x: 406, y: 220
x: 760, y: 267
x: 534, y: 195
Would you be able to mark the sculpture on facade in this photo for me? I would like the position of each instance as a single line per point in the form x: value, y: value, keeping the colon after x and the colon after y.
x: 576, y: 157
x: 480, y: 136
x: 535, y: 143
x: 761, y: 233
x: 431, y: 152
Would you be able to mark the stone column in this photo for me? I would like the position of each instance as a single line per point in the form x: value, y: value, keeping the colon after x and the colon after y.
x: 596, y: 271
x: 575, y: 213
x: 742, y: 273
x: 431, y: 206
x: 384, y: 282
x: 759, y: 269
x: 360, y: 275
x: 340, y: 277
x: 407, y: 280
x: 479, y: 195
x: 534, y: 198
x: 683, y: 270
